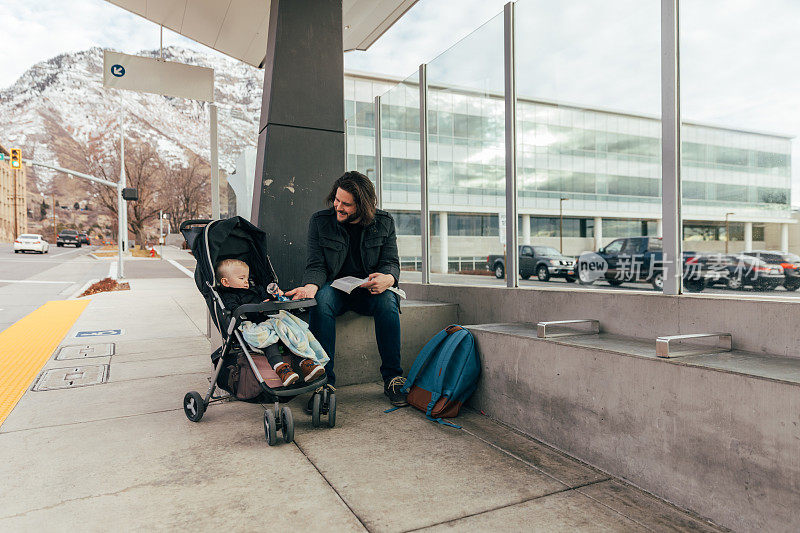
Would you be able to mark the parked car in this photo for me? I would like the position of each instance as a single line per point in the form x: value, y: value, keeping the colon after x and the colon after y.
x: 744, y: 271
x: 640, y: 259
x: 31, y: 242
x: 544, y: 262
x: 789, y: 262
x: 68, y: 236
x: 84, y: 238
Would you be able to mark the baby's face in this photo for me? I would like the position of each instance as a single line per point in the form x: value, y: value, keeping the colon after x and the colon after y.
x: 237, y: 278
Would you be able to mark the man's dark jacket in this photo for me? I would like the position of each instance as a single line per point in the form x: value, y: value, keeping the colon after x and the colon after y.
x: 329, y: 244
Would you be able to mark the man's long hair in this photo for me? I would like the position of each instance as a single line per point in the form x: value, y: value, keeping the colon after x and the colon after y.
x: 363, y: 192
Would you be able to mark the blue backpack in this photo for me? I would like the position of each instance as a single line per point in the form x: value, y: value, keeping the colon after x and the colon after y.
x: 444, y: 374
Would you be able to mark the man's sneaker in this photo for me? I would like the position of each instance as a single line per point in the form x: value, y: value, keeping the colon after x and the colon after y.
x: 393, y: 390
x: 286, y: 374
x: 310, y: 370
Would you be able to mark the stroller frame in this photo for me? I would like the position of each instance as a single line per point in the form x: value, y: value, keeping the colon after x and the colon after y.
x: 276, y: 417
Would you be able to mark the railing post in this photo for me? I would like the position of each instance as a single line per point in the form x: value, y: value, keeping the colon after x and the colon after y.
x: 671, y: 149
x: 512, y: 258
x: 378, y: 160
x: 215, y: 205
x: 423, y: 167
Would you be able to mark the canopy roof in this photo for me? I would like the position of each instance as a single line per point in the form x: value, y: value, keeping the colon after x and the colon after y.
x: 238, y: 28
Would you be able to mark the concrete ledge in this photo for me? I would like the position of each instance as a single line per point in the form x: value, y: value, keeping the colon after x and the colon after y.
x: 758, y: 325
x: 357, y: 359
x: 700, y: 431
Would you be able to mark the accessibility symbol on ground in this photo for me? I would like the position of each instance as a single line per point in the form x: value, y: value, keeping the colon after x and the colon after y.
x: 99, y: 333
x: 118, y: 71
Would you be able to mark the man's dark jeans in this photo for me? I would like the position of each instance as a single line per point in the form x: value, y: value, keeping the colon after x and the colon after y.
x: 383, y: 307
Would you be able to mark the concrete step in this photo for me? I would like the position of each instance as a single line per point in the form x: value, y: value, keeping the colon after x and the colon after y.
x: 714, y: 433
x: 357, y: 359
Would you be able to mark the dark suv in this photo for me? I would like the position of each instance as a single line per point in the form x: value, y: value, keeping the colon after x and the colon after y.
x: 635, y: 259
x: 68, y: 236
x: 83, y: 238
x: 742, y: 271
x: 789, y: 262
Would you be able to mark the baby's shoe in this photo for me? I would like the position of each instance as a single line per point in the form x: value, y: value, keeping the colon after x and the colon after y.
x: 286, y: 374
x: 310, y: 369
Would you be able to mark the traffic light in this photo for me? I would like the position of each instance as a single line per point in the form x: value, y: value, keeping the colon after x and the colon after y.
x: 16, y: 158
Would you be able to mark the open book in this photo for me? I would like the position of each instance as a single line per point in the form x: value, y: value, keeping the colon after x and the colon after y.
x: 348, y: 283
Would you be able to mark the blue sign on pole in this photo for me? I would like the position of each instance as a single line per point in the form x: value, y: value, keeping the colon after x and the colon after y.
x: 118, y: 71
x: 99, y: 333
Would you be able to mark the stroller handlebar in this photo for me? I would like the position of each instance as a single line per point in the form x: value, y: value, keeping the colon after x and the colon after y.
x: 195, y: 222
x: 267, y: 307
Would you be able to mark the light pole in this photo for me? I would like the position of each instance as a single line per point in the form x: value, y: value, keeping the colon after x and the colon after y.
x: 727, y: 231
x: 55, y: 231
x: 561, y: 224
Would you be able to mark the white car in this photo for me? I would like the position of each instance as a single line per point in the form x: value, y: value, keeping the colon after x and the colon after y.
x: 31, y: 242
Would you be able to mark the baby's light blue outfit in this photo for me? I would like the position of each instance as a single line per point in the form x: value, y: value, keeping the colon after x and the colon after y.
x: 287, y: 328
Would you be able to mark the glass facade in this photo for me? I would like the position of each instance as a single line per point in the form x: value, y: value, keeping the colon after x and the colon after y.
x: 607, y: 164
x: 740, y: 181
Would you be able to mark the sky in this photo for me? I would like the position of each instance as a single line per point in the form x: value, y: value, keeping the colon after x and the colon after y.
x: 739, y: 66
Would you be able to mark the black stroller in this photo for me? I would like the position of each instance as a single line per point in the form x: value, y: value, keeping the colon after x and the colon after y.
x: 236, y: 238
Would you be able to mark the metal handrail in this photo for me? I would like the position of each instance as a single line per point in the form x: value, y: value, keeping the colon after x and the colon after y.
x: 542, y: 328
x: 724, y: 344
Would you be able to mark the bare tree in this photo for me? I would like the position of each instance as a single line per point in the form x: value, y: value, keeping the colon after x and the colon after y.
x: 144, y: 171
x: 186, y: 191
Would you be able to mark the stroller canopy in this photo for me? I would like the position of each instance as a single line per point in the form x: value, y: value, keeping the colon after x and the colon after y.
x: 232, y: 238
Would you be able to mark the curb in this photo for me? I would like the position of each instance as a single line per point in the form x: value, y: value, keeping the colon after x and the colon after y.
x: 85, y: 286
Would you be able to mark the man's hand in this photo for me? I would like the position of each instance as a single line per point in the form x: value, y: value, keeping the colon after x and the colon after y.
x: 306, y: 291
x: 378, y: 283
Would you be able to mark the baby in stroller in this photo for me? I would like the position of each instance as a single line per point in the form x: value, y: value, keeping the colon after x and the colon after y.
x: 235, y: 290
x: 250, y: 316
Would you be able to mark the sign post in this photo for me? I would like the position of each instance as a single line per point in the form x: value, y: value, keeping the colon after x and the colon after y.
x: 152, y: 75
x: 122, y: 206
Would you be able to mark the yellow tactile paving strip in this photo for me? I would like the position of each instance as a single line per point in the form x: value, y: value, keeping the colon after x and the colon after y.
x: 28, y: 343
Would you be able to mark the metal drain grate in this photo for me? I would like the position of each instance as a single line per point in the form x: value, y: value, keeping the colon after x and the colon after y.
x: 71, y: 377
x: 85, y: 350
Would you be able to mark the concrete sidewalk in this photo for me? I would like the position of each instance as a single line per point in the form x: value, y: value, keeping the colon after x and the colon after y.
x: 122, y: 455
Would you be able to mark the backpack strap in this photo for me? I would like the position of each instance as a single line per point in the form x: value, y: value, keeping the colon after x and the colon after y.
x: 442, y: 422
x: 456, y: 337
x: 448, y: 348
x: 424, y: 357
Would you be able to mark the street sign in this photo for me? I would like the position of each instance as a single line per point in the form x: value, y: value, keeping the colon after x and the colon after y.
x: 150, y: 75
x: 99, y: 333
x: 501, y: 223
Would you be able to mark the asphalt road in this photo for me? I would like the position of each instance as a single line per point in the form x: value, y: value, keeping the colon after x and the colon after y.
x: 29, y: 280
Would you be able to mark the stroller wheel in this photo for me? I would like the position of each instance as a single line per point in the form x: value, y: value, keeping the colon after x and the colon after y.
x: 270, y: 431
x: 287, y: 424
x: 317, y: 407
x: 324, y: 405
x: 331, y: 410
x: 193, y: 406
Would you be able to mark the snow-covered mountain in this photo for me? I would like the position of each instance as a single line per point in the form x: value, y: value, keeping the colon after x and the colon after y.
x: 59, y: 106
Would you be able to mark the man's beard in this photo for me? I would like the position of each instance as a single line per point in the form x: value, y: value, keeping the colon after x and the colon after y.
x: 350, y: 218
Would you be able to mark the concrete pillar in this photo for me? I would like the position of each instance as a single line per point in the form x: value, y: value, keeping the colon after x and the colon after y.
x: 526, y: 229
x: 444, y: 253
x: 301, y: 133
x: 784, y: 237
x: 598, y: 232
x: 659, y: 228
x: 748, y: 236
